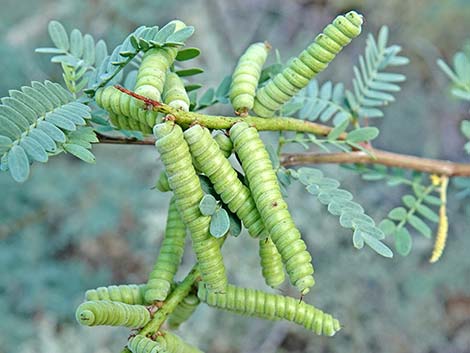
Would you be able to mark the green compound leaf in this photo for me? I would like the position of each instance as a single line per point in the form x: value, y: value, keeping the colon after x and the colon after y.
x: 325, y: 102
x: 208, y: 205
x: 220, y: 223
x: 35, y: 122
x: 362, y: 135
x: 403, y: 241
x: 78, y: 54
x: 340, y: 203
x: 460, y: 78
x: 373, y: 88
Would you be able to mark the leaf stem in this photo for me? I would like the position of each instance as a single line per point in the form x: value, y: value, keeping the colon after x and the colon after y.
x: 418, y: 202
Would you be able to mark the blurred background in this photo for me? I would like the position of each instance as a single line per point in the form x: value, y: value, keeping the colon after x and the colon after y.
x: 73, y: 226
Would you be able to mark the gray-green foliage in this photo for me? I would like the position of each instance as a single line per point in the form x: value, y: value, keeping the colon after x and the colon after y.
x: 322, y: 103
x: 78, y: 55
x: 211, y: 100
x: 40, y: 121
x: 142, y: 39
x: 416, y: 211
x: 340, y: 204
x: 460, y: 78
x: 220, y: 219
x: 373, y: 87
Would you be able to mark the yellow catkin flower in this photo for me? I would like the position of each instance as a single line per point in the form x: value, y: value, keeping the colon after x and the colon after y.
x: 443, y: 227
x: 435, y: 180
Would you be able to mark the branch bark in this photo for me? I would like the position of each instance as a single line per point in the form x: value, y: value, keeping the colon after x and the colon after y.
x: 389, y: 159
x: 433, y: 166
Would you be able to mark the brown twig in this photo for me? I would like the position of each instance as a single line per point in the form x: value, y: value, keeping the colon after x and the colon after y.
x: 433, y: 166
x: 389, y: 159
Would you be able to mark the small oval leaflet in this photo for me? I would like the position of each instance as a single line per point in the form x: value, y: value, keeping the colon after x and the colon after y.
x: 208, y: 205
x: 18, y: 164
x: 188, y: 54
x: 220, y: 223
x: 403, y: 241
x: 235, y: 225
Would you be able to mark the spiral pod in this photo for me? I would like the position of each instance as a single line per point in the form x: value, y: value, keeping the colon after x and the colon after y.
x: 271, y: 263
x: 123, y: 111
x: 143, y: 344
x: 169, y: 259
x: 174, y: 93
x: 314, y: 59
x: 125, y: 293
x: 104, y: 312
x: 153, y: 69
x: 172, y: 343
x: 183, y: 311
x: 246, y: 76
x: 182, y: 178
x: 211, y: 161
x: 264, y: 305
x: 267, y: 195
x: 225, y: 144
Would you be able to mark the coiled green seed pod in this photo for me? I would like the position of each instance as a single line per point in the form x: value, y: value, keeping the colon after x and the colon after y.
x: 105, y: 312
x: 211, y: 161
x: 271, y: 263
x: 162, y: 183
x: 246, y: 76
x: 183, y: 311
x: 184, y: 182
x: 125, y: 293
x: 174, y: 93
x: 123, y: 111
x: 172, y: 343
x: 257, y: 303
x: 314, y: 59
x: 267, y: 195
x: 143, y: 344
x: 153, y: 69
x: 169, y: 259
x: 225, y: 144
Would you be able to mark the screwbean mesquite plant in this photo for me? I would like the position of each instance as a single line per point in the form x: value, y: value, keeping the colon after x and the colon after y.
x: 221, y: 174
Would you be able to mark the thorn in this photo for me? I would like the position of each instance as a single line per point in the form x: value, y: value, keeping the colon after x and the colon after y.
x: 195, y: 122
x: 169, y: 117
